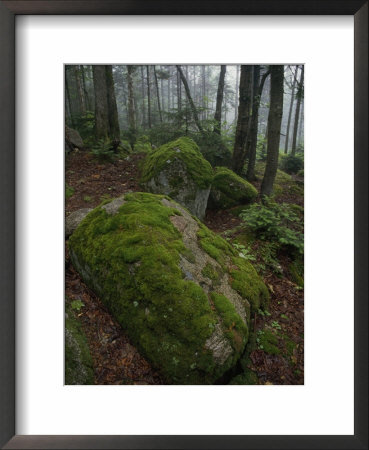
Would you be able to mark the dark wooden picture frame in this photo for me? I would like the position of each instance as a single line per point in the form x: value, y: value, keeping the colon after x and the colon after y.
x: 8, y: 11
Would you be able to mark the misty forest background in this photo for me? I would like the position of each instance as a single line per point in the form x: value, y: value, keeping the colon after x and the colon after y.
x: 248, y: 118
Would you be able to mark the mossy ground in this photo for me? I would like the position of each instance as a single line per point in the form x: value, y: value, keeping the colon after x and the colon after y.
x: 230, y: 190
x: 138, y: 249
x: 78, y: 361
x: 186, y: 150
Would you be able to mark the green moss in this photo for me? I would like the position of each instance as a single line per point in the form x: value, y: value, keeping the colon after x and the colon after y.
x: 184, y: 149
x: 157, y: 306
x: 268, y: 341
x: 78, y: 361
x: 235, y: 329
x: 296, y: 269
x: 289, y: 344
x: 143, y: 145
x: 248, y: 377
x: 248, y: 284
x: 229, y: 189
x: 210, y: 272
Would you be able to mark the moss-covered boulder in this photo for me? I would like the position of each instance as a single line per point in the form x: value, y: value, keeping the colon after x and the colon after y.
x: 181, y: 292
x: 78, y: 361
x: 178, y: 169
x: 228, y: 190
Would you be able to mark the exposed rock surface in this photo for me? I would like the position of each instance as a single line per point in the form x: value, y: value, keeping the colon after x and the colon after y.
x: 72, y: 139
x: 73, y: 220
x: 228, y: 190
x: 178, y: 169
x: 181, y: 292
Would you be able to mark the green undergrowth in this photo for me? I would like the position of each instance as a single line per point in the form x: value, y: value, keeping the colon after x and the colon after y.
x: 184, y: 149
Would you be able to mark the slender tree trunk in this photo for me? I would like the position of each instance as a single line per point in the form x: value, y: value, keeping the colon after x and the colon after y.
x: 148, y: 96
x: 290, y: 113
x: 80, y: 93
x: 243, y: 119
x: 179, y: 93
x: 192, y: 105
x: 237, y: 93
x: 218, y: 108
x: 301, y: 124
x: 203, y: 79
x: 131, y: 101
x: 297, y: 113
x: 274, y: 128
x: 157, y: 94
x: 101, y: 103
x: 68, y: 98
x: 258, y: 90
x: 143, y: 97
x: 87, y: 98
x: 114, y: 133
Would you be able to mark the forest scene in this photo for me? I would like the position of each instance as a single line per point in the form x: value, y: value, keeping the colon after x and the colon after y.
x: 184, y: 224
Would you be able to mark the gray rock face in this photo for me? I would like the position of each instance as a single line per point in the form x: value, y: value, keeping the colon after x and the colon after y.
x: 72, y: 139
x: 74, y: 219
x: 173, y: 180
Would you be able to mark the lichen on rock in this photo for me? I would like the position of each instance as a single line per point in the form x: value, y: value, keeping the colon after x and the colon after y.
x: 178, y: 169
x: 186, y: 308
x: 228, y: 190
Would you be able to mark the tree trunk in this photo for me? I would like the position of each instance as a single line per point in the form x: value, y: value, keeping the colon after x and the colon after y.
x: 101, y: 102
x: 87, y: 98
x: 192, y: 105
x: 297, y: 113
x: 68, y: 98
x: 114, y: 132
x: 131, y: 101
x: 157, y: 94
x: 80, y: 93
x: 143, y: 97
x: 203, y: 75
x: 243, y: 119
x: 301, y: 124
x: 236, y: 96
x: 179, y: 93
x: 290, y: 113
x: 218, y: 108
x: 274, y: 128
x: 148, y: 96
x: 251, y: 151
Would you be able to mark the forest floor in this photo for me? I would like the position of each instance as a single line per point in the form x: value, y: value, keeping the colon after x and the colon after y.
x: 115, y: 359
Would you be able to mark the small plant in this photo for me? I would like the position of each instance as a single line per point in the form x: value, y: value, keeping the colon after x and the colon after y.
x: 103, y: 150
x: 77, y: 305
x: 272, y: 221
x: 276, y: 325
x: 291, y: 163
x: 69, y: 191
x: 87, y: 198
x: 244, y: 252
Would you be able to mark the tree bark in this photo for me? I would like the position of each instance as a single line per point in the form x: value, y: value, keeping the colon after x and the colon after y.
x: 131, y: 100
x: 101, y: 102
x: 218, y: 108
x: 236, y: 96
x: 243, y: 119
x: 297, y: 113
x: 80, y: 93
x: 157, y: 94
x: 87, y: 98
x: 148, y: 96
x: 274, y: 128
x: 143, y: 97
x: 251, y: 151
x: 68, y: 97
x: 290, y: 113
x: 114, y: 132
x: 192, y: 105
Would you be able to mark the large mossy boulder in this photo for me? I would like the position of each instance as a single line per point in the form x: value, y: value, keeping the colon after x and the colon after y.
x: 181, y: 292
x: 72, y: 139
x: 228, y: 190
x: 178, y: 169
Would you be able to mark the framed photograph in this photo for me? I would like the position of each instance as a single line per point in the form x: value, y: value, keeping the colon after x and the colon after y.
x: 151, y: 240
